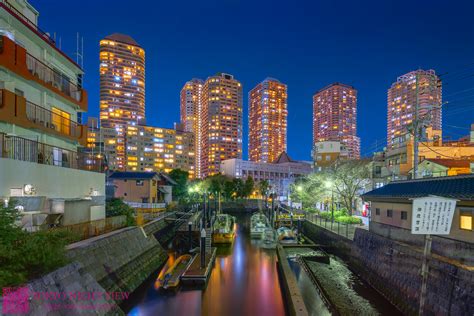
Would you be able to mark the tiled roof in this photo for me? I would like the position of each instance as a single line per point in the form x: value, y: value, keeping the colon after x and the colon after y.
x: 458, y: 187
x: 450, y: 163
x: 283, y: 157
x: 133, y: 175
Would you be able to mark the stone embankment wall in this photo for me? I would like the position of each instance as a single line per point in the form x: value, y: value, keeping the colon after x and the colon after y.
x: 117, y: 262
x: 393, y: 268
x: 242, y: 206
x: 120, y: 261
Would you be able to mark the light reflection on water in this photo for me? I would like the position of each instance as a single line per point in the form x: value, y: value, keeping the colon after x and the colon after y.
x: 244, y: 281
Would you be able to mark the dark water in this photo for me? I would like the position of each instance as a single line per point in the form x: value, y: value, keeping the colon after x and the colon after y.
x: 244, y: 281
x: 313, y: 302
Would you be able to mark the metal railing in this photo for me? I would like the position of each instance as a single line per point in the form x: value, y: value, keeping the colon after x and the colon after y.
x: 49, y: 119
x: 27, y: 21
x: 343, y: 229
x: 19, y: 148
x: 146, y: 205
x: 53, y: 77
x: 95, y: 228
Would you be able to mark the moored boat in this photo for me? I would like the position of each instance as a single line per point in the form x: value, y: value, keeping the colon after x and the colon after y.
x: 286, y: 236
x: 269, y: 239
x: 171, y: 277
x: 224, y: 231
x: 258, y: 224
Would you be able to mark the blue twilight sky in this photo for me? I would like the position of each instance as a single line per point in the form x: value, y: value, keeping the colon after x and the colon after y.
x: 305, y: 44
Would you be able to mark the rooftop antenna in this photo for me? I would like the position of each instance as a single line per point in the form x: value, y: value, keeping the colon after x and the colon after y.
x: 79, y: 50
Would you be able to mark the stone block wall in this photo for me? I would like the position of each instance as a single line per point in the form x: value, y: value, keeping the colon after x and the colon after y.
x: 393, y: 268
x: 59, y: 293
x: 121, y: 260
x: 441, y: 245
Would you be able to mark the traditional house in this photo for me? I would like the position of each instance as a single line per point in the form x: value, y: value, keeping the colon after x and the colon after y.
x: 429, y: 168
x: 391, y: 206
x: 141, y: 187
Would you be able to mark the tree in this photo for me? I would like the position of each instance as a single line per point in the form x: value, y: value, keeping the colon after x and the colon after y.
x: 313, y: 189
x: 180, y: 190
x: 25, y: 256
x: 248, y: 187
x: 264, y: 188
x: 228, y: 189
x: 116, y: 207
x: 238, y: 185
x: 216, y: 183
x: 350, y: 177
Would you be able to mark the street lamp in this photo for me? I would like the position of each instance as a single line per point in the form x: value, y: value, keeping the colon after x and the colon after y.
x: 329, y: 185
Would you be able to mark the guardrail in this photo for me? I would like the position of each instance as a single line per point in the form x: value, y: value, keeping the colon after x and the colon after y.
x: 27, y: 21
x: 146, y: 205
x: 95, y: 228
x: 342, y: 229
x: 53, y: 77
x: 49, y: 119
x: 19, y: 148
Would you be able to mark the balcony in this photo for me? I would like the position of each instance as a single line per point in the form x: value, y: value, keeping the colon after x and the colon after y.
x: 17, y: 110
x: 18, y: 148
x: 53, y: 77
x: 30, y: 24
x: 16, y: 59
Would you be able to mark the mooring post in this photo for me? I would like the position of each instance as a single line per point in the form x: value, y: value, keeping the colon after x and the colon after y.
x: 190, y: 232
x: 203, y: 248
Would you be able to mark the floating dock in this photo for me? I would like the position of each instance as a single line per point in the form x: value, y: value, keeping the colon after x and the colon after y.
x: 197, y: 276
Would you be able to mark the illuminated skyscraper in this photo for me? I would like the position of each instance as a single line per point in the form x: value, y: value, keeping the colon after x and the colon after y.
x: 401, y: 103
x: 190, y: 98
x: 335, y: 117
x: 220, y: 123
x: 190, y: 106
x: 122, y: 87
x: 267, y: 120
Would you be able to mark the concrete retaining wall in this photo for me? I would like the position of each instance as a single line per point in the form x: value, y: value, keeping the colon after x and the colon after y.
x: 393, y: 268
x: 294, y: 302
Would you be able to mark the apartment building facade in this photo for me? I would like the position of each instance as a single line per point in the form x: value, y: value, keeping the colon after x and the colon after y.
x: 41, y: 104
x: 335, y: 117
x: 267, y: 120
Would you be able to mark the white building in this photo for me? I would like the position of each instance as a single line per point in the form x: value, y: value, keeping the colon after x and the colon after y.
x: 41, y: 101
x: 279, y: 174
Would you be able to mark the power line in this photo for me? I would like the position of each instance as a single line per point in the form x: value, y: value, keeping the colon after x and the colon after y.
x: 436, y: 152
x: 460, y: 127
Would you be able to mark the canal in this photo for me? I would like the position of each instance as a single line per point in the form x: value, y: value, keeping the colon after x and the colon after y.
x: 244, y: 281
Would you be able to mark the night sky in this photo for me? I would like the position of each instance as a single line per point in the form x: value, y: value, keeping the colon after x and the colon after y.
x: 305, y: 44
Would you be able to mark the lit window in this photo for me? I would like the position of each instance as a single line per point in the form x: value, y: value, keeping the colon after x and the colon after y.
x: 465, y: 219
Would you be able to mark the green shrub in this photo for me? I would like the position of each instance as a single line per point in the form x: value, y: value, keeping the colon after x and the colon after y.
x: 312, y: 210
x: 326, y: 215
x: 116, y: 207
x: 348, y: 220
x: 25, y: 256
